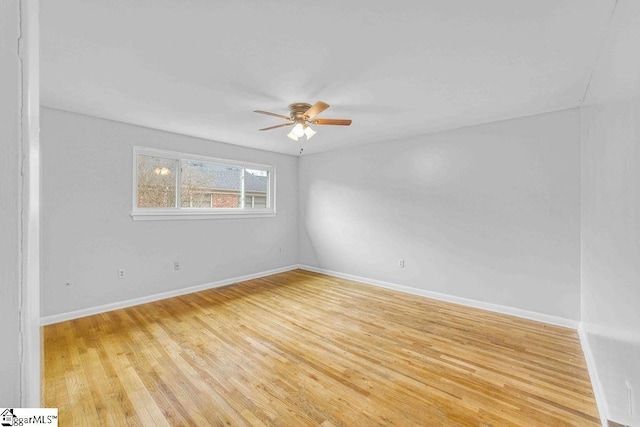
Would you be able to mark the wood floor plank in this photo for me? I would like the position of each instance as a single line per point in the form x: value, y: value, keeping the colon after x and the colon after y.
x: 301, y: 348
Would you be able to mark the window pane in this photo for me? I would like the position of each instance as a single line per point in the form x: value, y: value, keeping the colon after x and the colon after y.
x: 260, y: 202
x: 156, y: 182
x: 256, y: 183
x: 210, y: 185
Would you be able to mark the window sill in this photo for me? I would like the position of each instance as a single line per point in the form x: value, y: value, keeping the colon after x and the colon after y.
x: 182, y: 215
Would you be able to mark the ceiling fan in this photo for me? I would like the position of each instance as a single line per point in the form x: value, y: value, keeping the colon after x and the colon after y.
x: 301, y: 115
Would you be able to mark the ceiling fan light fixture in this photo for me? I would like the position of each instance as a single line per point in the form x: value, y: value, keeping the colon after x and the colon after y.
x: 298, y: 130
x: 309, y: 132
x: 292, y: 135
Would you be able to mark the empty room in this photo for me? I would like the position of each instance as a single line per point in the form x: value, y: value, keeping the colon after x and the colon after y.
x: 417, y: 213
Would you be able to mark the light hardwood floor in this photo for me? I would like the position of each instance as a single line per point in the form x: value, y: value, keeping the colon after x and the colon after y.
x: 301, y: 348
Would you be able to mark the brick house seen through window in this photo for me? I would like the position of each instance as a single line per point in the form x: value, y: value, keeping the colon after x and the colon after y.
x: 206, y: 185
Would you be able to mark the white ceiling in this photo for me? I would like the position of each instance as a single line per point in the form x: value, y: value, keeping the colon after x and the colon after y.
x: 397, y: 68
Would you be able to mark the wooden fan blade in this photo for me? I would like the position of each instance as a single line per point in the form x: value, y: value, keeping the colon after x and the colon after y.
x: 277, y: 126
x: 316, y: 109
x: 335, y: 122
x: 272, y: 114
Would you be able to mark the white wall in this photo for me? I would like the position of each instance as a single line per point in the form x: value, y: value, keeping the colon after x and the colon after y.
x: 88, y: 233
x: 488, y: 212
x: 611, y: 214
x: 19, y: 193
x: 10, y: 106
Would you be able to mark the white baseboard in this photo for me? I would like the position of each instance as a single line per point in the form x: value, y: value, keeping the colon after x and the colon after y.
x: 598, y: 392
x: 503, y: 309
x: 531, y: 315
x: 57, y: 318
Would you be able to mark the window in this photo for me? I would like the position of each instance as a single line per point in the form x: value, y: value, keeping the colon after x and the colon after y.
x: 156, y: 182
x: 170, y: 185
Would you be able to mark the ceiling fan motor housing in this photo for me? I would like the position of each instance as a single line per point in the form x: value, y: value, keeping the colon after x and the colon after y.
x: 298, y: 109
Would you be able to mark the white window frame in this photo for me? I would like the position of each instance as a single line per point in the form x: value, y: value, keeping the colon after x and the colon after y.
x: 179, y: 213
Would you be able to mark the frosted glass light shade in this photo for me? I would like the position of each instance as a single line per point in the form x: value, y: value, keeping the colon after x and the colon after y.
x: 292, y: 135
x: 309, y: 132
x: 298, y: 130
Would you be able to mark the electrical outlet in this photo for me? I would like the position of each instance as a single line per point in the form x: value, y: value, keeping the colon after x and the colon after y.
x: 629, y: 396
x: 281, y: 249
x: 176, y: 266
x: 400, y: 263
x: 121, y: 273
